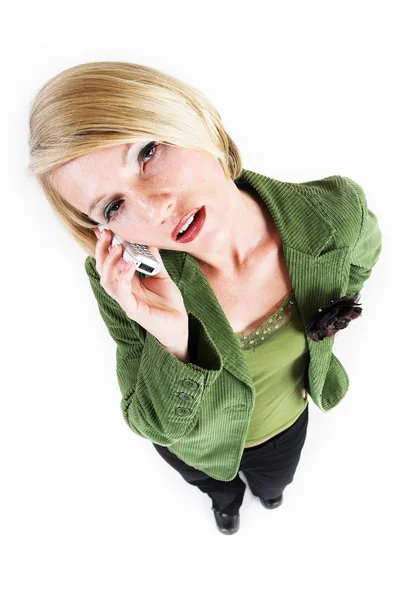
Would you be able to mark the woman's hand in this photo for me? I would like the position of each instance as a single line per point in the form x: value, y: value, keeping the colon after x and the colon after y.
x: 154, y: 302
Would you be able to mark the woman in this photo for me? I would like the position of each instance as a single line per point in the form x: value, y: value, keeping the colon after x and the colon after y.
x: 216, y: 353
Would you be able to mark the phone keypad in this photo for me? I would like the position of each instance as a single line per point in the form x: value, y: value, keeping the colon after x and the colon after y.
x: 143, y: 250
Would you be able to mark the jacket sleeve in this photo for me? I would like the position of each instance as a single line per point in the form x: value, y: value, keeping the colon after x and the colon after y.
x: 367, y: 248
x: 161, y: 395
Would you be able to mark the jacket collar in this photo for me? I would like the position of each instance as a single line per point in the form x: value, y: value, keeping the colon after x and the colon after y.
x: 315, y: 266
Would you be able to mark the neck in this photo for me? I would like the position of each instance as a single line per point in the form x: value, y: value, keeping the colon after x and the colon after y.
x: 245, y: 227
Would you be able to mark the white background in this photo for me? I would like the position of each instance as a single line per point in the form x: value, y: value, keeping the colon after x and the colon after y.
x: 89, y: 509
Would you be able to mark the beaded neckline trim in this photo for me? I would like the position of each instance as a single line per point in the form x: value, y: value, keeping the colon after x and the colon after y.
x: 273, y: 324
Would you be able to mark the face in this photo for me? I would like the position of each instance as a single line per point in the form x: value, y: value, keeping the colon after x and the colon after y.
x: 145, y: 198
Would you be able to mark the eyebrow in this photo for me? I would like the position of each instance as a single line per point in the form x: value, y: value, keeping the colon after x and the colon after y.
x: 125, y: 160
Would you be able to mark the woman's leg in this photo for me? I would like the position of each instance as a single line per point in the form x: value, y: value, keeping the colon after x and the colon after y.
x: 226, y: 496
x: 270, y: 467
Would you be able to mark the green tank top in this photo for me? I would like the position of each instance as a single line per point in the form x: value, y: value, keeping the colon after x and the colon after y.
x: 277, y: 356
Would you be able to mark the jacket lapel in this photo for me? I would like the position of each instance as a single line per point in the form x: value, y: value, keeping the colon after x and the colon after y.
x: 317, y: 271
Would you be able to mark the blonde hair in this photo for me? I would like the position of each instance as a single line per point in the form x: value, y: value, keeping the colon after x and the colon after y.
x: 102, y: 104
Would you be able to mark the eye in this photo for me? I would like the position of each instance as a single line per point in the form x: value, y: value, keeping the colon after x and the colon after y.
x: 148, y: 147
x: 110, y: 208
x: 112, y: 205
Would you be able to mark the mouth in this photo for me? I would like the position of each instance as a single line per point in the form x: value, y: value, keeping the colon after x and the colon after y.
x: 194, y: 228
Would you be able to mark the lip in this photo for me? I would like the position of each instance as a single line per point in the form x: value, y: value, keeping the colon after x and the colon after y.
x: 182, y: 222
x: 195, y: 228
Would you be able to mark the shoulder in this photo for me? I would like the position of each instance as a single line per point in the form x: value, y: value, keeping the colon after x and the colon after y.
x: 337, y: 187
x: 341, y: 201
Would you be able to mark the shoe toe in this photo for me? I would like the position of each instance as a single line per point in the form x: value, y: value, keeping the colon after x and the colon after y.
x: 227, y: 524
x: 272, y: 502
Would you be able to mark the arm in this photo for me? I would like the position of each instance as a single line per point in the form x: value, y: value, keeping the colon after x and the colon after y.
x: 367, y: 248
x: 161, y: 392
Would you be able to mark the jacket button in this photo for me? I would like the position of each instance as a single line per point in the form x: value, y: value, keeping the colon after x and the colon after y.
x: 190, y: 384
x: 181, y: 411
x: 185, y: 397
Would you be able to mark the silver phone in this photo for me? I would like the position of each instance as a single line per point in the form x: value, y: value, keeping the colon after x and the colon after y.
x: 138, y: 253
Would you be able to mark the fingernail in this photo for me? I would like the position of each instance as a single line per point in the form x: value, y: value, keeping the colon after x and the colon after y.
x: 102, y: 234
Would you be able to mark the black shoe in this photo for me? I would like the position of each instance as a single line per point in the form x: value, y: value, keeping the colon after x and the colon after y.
x: 226, y: 523
x: 273, y: 502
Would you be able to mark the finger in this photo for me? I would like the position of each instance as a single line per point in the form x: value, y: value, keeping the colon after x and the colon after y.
x: 101, y: 251
x: 125, y: 296
x: 107, y: 276
x: 108, y: 279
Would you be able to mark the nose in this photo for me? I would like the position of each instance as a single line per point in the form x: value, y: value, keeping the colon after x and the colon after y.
x: 164, y: 215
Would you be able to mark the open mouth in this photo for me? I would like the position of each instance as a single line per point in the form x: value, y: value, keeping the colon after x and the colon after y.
x: 194, y: 227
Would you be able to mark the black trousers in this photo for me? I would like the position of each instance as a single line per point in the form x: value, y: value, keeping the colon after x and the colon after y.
x: 268, y: 467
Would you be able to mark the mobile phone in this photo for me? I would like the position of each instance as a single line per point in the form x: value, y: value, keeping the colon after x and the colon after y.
x: 138, y: 253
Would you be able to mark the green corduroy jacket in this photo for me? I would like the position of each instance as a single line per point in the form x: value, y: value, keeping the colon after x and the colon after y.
x: 201, y: 410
